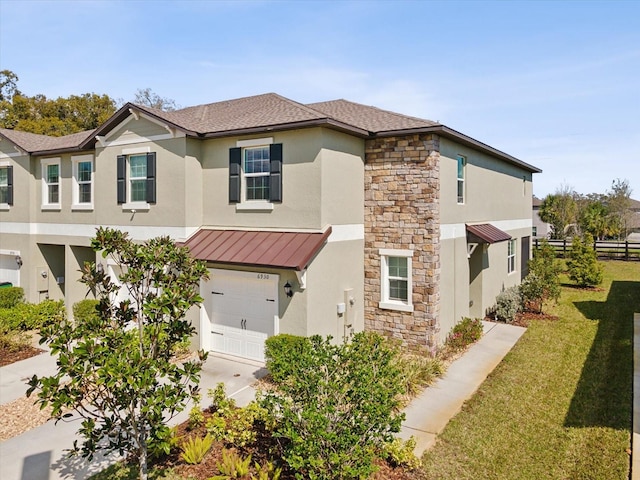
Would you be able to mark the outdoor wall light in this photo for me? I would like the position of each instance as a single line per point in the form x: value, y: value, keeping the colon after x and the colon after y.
x: 288, y: 291
x: 100, y: 268
x: 18, y: 261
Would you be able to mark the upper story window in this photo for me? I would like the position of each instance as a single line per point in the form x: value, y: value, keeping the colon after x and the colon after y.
x: 137, y: 180
x: 462, y: 164
x: 6, y: 185
x: 82, y: 182
x: 255, y: 174
x: 511, y: 256
x: 396, y: 283
x: 51, y: 190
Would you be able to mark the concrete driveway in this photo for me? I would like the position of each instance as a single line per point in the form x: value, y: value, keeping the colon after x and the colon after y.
x: 39, y: 454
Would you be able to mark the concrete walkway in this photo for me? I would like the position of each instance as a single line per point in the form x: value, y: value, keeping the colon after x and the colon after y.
x: 429, y: 413
x: 39, y: 453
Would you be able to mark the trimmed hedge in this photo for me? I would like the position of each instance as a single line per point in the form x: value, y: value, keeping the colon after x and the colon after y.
x: 29, y: 316
x: 85, y: 310
x: 11, y: 296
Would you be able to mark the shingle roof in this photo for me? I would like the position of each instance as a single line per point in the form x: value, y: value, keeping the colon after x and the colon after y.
x: 32, y: 142
x: 368, y: 118
x: 264, y: 110
x: 262, y: 113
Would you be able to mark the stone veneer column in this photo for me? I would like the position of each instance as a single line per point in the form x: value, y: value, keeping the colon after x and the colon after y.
x: 402, y: 212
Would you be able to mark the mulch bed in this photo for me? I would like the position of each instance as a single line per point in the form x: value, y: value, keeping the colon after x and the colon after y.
x: 9, y: 356
x: 259, y: 451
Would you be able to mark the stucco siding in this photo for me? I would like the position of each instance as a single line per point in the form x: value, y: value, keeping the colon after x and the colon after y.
x: 301, y: 189
x: 488, y: 183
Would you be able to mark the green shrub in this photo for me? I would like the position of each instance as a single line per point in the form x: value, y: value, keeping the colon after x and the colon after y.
x: 236, y: 425
x: 232, y: 466
x: 464, y: 333
x: 543, y: 280
x: 583, y: 265
x: 417, y: 372
x: 196, y: 417
x: 508, y: 303
x: 85, y: 310
x: 281, y: 353
x: 11, y: 296
x: 220, y: 403
x: 268, y: 471
x: 30, y: 316
x: 400, y: 453
x: 338, y: 407
x: 164, y: 442
x: 195, y: 448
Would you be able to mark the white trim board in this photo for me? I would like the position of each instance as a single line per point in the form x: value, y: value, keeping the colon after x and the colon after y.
x: 89, y: 231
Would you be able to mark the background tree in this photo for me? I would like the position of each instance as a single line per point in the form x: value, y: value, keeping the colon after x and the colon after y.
x: 583, y: 265
x: 8, y: 85
x: 594, y: 217
x: 560, y: 210
x: 145, y: 96
x: 122, y: 380
x: 39, y: 114
x: 619, y: 203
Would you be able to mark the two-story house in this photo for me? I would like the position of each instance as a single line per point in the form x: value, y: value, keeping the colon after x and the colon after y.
x: 325, y: 218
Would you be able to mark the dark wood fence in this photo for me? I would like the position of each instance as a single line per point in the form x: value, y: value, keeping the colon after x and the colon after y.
x: 605, y: 250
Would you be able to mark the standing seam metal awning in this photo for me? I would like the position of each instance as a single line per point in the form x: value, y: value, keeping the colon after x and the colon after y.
x: 486, y: 233
x: 293, y: 250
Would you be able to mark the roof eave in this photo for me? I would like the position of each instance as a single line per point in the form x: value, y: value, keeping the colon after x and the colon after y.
x: 122, y: 114
x: 321, y: 122
x: 465, y: 140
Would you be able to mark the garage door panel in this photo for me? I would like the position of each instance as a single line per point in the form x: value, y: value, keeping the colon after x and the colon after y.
x: 242, y: 312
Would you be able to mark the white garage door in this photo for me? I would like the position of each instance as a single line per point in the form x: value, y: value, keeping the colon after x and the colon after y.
x: 9, y: 271
x: 243, y: 308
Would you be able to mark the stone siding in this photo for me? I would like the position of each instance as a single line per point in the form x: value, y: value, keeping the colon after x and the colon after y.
x: 402, y: 212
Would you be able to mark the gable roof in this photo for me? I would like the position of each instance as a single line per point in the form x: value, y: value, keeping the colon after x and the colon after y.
x: 266, y: 113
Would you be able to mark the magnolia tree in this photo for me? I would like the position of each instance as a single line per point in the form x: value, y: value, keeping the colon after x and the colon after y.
x: 117, y: 370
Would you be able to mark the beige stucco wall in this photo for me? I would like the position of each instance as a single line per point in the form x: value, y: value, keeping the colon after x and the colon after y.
x: 497, y: 193
x: 320, y: 169
x: 489, y: 183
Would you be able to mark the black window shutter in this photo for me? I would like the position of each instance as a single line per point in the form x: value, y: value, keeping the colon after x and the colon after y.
x: 235, y: 167
x: 275, y: 172
x: 151, y: 177
x: 10, y: 185
x: 122, y: 179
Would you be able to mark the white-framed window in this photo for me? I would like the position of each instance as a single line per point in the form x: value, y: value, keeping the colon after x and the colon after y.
x: 51, y: 188
x: 6, y: 185
x: 396, y: 284
x: 460, y: 187
x: 255, y: 174
x: 256, y: 170
x: 136, y: 179
x: 82, y: 182
x: 511, y: 256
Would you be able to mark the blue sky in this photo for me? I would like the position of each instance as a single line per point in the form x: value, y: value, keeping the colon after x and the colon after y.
x: 555, y: 84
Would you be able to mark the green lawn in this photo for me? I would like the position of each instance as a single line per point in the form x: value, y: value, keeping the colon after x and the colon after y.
x: 560, y: 404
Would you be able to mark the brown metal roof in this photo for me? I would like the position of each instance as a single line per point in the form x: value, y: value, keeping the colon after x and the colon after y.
x: 485, y: 232
x: 260, y: 248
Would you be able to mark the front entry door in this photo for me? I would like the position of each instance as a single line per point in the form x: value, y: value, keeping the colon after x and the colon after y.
x: 244, y: 307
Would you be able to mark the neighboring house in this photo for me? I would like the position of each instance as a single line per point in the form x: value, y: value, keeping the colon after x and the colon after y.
x: 326, y: 218
x: 540, y: 229
x: 633, y: 224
